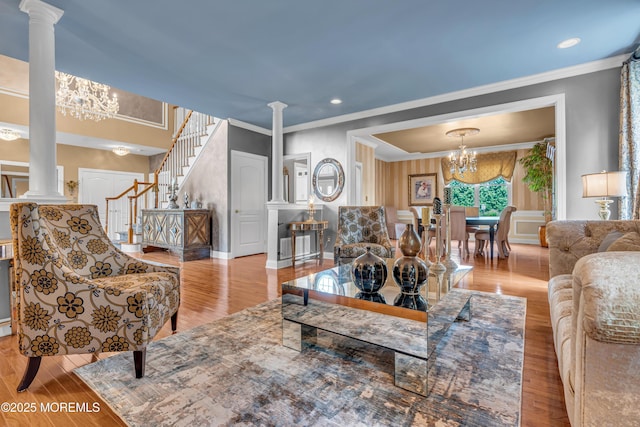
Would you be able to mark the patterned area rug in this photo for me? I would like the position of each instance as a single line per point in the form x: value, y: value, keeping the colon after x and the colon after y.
x: 235, y: 371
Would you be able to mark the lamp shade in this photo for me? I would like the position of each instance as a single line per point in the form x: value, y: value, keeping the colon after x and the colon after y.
x: 604, y: 184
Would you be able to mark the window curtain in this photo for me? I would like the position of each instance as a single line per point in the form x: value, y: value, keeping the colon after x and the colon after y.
x: 490, y: 166
x: 629, y: 140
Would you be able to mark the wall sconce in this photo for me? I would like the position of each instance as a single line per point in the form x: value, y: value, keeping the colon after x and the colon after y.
x: 604, y: 184
x: 9, y: 134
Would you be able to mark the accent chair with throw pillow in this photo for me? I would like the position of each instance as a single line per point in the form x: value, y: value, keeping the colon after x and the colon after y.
x: 360, y: 227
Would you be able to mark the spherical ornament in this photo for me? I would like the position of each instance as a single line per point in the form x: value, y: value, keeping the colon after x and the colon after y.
x: 410, y: 273
x: 369, y: 272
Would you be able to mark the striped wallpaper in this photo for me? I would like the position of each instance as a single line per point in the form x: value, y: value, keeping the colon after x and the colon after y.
x: 392, y: 183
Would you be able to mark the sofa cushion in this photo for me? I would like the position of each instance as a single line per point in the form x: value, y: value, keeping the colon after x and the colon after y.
x: 606, y: 289
x: 608, y: 240
x: 561, y: 306
x: 628, y: 242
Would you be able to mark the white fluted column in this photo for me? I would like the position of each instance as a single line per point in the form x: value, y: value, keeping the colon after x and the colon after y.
x: 42, y: 99
x: 277, y: 150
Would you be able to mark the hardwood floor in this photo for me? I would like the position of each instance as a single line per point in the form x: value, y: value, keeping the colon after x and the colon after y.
x: 213, y: 288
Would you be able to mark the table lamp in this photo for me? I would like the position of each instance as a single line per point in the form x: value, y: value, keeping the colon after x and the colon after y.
x: 605, y: 185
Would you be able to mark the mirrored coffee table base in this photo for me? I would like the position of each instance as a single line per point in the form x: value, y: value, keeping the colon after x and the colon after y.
x: 413, y: 337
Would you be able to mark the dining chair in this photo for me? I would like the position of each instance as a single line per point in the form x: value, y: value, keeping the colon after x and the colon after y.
x: 501, y: 235
x: 459, y: 228
x: 394, y: 226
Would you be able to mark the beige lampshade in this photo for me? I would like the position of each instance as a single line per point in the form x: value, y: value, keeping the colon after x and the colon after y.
x: 604, y: 184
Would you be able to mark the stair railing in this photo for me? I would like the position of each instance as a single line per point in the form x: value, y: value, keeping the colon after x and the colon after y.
x: 183, y: 145
x: 187, y: 139
x: 135, y: 187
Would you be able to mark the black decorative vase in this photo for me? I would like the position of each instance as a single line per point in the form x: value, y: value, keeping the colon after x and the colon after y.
x: 410, y: 273
x: 373, y: 297
x: 369, y: 272
x: 412, y: 301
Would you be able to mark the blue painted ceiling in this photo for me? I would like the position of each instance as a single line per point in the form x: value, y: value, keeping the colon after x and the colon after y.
x: 231, y: 58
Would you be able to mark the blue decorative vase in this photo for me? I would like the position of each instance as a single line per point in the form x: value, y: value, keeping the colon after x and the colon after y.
x: 369, y: 272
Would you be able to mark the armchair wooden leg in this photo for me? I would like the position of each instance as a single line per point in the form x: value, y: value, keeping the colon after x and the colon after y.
x: 174, y: 322
x: 139, y: 357
x: 29, y: 373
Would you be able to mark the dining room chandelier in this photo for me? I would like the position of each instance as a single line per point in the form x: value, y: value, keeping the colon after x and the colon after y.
x: 84, y: 99
x: 462, y: 160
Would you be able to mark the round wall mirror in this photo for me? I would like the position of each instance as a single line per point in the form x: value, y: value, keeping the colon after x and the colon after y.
x: 328, y: 179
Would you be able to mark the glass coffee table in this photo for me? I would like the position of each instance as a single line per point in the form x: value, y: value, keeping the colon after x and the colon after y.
x: 411, y: 325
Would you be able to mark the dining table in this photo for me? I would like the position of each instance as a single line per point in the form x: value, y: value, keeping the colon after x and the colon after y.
x: 491, y: 221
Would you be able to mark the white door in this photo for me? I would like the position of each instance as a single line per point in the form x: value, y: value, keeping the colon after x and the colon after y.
x: 358, y: 195
x: 96, y: 185
x: 249, y: 181
x: 301, y: 183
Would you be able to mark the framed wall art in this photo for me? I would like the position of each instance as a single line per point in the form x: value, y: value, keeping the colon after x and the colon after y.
x: 423, y: 188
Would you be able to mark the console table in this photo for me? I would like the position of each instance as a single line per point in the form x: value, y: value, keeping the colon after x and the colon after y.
x: 184, y: 232
x: 317, y: 226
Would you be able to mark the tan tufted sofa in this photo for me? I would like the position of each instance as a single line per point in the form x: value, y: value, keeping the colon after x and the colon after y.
x: 594, y: 300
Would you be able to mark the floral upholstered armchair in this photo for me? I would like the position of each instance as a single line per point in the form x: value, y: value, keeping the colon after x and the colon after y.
x: 360, y: 227
x: 77, y: 293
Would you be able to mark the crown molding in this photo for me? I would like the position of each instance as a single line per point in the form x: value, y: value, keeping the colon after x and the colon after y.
x: 576, y: 70
x: 249, y: 126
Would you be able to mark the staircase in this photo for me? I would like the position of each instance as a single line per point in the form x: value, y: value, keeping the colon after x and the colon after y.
x: 195, y: 131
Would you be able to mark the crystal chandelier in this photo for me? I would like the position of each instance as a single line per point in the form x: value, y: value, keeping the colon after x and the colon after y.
x: 84, y: 99
x: 462, y: 160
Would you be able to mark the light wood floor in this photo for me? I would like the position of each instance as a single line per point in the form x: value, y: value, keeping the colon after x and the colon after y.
x: 213, y: 288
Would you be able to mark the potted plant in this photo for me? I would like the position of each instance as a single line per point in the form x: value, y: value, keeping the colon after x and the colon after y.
x: 538, y: 175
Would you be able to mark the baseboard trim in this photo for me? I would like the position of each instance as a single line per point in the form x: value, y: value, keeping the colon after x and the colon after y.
x: 221, y: 255
x: 5, y: 329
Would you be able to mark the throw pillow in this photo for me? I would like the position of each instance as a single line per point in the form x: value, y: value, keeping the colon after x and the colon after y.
x: 628, y: 242
x: 608, y: 240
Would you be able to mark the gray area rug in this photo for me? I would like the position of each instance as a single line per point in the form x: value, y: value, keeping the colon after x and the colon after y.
x: 234, y: 371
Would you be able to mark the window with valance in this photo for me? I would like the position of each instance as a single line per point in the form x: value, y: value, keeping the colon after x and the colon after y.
x: 490, y: 166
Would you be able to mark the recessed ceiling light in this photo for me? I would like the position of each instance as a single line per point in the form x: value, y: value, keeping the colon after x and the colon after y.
x: 568, y: 43
x: 336, y: 101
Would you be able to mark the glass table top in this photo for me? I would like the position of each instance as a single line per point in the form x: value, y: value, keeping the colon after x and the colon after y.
x: 338, y: 282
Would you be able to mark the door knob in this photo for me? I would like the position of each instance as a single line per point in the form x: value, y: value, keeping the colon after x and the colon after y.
x: 237, y: 211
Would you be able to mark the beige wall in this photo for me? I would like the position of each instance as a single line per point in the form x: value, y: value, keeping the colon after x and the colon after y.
x: 392, y: 183
x: 14, y: 109
x: 367, y: 156
x: 72, y: 158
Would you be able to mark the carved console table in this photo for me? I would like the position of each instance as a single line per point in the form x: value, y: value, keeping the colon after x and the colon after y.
x: 184, y: 232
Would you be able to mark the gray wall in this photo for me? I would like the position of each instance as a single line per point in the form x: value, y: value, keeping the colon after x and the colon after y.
x: 207, y: 182
x: 592, y: 126
x: 210, y: 178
